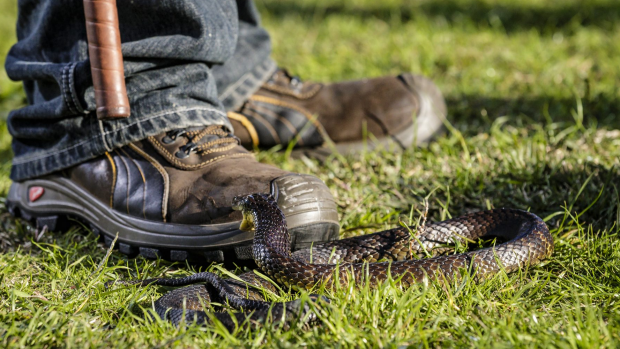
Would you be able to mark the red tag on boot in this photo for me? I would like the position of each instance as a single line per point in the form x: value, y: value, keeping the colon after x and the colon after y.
x: 35, y: 193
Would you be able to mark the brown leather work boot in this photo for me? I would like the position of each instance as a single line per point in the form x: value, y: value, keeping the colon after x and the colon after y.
x: 171, y: 195
x: 319, y: 118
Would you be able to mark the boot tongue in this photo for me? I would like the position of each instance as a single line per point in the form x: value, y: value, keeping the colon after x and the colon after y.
x: 196, y: 147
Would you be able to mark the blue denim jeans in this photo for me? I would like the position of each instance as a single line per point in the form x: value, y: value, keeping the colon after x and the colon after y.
x: 186, y: 63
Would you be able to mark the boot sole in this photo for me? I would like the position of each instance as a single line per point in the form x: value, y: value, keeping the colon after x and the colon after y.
x: 308, y: 206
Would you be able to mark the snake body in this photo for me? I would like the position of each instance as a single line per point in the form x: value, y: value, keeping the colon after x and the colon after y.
x: 363, y: 259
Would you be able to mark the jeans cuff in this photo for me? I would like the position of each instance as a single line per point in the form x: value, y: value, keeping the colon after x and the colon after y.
x: 68, y: 90
x: 240, y: 91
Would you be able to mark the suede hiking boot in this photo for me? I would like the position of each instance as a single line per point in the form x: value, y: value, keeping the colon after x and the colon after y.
x: 319, y: 118
x: 170, y: 196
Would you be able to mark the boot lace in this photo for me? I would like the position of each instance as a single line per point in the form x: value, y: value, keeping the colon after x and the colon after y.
x: 204, y: 141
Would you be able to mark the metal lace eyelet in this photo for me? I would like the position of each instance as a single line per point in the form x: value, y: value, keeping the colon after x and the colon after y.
x: 186, y: 150
x: 172, y: 136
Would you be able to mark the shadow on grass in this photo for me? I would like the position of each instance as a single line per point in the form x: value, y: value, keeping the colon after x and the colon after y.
x: 542, y: 190
x: 512, y: 17
x: 472, y: 114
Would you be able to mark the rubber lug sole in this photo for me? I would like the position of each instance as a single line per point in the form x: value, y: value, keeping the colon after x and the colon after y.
x: 303, y: 198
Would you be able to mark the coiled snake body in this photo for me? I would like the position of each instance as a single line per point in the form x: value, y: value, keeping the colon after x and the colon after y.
x: 527, y: 237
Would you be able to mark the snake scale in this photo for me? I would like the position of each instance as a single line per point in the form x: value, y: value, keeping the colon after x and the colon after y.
x: 367, y: 259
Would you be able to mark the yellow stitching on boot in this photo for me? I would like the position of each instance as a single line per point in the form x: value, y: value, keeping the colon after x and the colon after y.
x: 183, y: 166
x: 247, y: 124
x: 164, y: 174
x: 113, y: 178
x: 269, y: 127
x: 310, y: 117
x: 288, y: 92
x: 280, y: 103
x: 282, y: 120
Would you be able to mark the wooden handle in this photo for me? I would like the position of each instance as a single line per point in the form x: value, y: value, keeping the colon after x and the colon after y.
x: 106, y: 59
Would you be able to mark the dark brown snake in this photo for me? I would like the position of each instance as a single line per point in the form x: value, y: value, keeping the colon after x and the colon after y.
x: 366, y: 259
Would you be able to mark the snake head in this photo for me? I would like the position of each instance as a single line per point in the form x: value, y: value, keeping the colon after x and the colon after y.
x: 238, y: 203
x: 249, y: 205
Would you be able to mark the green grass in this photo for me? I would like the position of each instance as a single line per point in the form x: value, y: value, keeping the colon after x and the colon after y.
x: 534, y: 118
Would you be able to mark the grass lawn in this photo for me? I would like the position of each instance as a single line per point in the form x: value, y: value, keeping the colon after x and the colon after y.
x: 533, y: 96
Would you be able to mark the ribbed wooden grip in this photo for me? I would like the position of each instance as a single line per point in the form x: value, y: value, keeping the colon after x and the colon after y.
x: 106, y: 59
